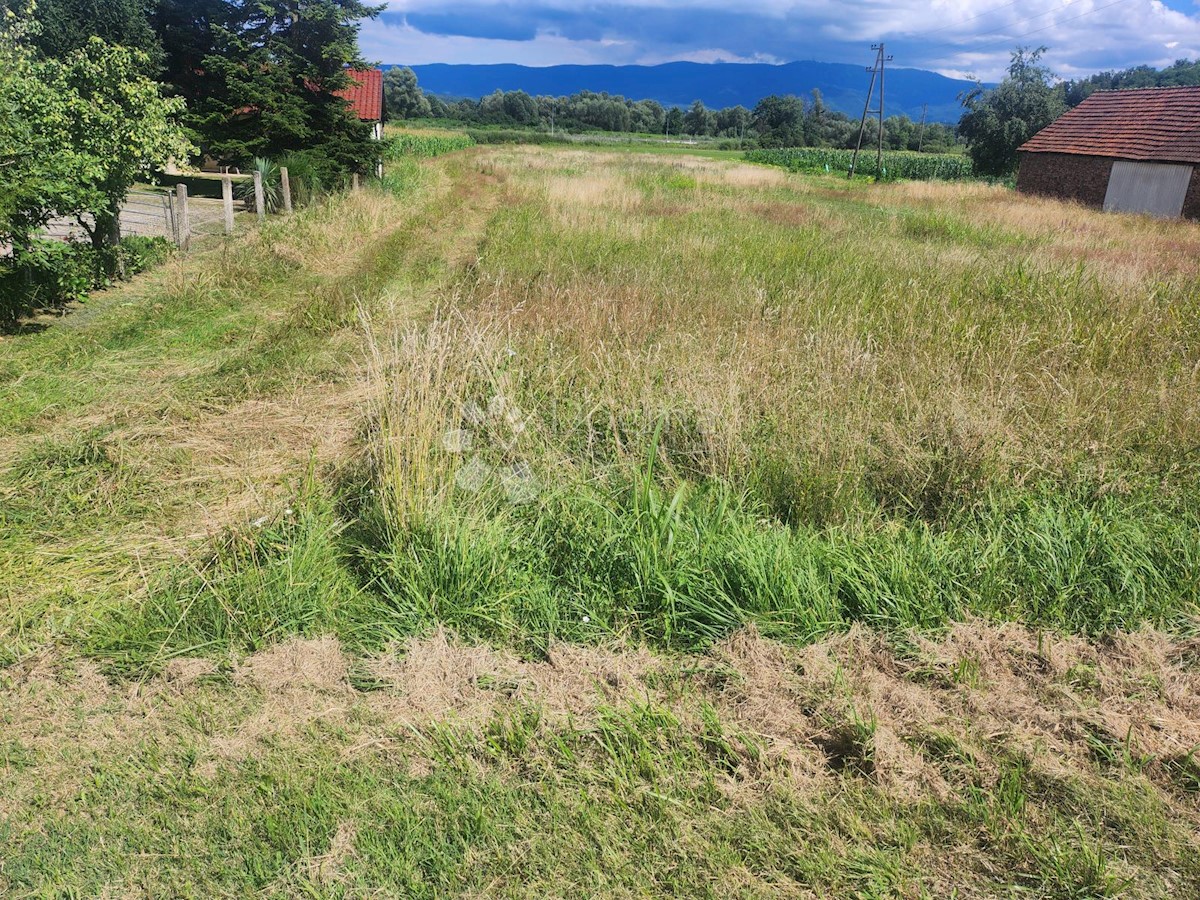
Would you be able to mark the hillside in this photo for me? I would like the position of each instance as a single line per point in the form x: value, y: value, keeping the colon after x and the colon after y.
x: 568, y: 522
x: 718, y: 85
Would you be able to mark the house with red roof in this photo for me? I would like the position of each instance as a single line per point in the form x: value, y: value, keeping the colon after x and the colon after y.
x: 1122, y: 151
x: 365, y: 97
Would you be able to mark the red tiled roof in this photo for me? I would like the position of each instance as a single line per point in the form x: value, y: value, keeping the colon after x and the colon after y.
x: 365, y: 96
x: 1148, y: 124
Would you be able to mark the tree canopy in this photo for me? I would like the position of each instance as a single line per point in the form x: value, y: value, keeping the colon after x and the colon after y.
x: 261, y: 76
x: 998, y: 121
x: 65, y: 26
x: 1182, y: 72
x: 405, y: 100
x: 31, y: 169
x: 117, y: 126
x: 75, y: 133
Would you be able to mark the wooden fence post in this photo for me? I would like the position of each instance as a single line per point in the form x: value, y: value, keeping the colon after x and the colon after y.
x: 260, y: 202
x: 227, y: 200
x: 285, y: 185
x: 183, y: 224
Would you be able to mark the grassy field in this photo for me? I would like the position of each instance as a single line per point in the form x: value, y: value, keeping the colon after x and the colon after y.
x: 548, y: 522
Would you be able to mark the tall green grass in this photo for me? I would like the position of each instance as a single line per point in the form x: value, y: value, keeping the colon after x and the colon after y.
x: 516, y: 136
x: 679, y: 565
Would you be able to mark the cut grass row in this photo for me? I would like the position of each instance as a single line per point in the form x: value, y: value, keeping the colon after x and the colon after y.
x: 634, y: 804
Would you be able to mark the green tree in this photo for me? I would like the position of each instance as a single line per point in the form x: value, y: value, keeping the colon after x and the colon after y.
x: 734, y: 121
x: 648, y: 117
x: 998, y: 121
x: 116, y: 127
x: 185, y: 29
x: 65, y: 26
x: 261, y: 76
x: 673, y: 123
x: 403, y: 96
x: 75, y: 133
x: 699, y: 120
x: 1180, y: 72
x: 33, y: 163
x: 520, y: 108
x: 779, y: 121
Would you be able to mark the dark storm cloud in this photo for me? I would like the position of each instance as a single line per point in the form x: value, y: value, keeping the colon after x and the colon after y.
x: 955, y: 36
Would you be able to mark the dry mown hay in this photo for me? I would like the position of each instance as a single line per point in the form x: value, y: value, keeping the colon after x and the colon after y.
x: 848, y: 705
x: 438, y: 678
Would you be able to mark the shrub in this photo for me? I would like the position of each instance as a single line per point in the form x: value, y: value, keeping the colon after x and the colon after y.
x: 735, y: 144
x: 52, y: 273
x: 272, y: 189
x: 311, y: 174
x: 47, y: 273
x: 143, y: 253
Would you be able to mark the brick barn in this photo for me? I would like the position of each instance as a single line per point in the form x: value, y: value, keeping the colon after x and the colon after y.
x: 1122, y: 151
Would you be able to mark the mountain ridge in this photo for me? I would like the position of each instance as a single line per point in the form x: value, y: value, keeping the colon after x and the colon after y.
x: 843, y: 85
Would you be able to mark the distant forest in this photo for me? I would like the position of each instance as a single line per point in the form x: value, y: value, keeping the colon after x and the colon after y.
x: 776, y: 121
x: 1181, y: 72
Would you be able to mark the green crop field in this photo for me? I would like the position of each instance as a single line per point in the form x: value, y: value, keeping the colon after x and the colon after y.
x: 425, y: 144
x: 896, y: 164
x: 556, y: 521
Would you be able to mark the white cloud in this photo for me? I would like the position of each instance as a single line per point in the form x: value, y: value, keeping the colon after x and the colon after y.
x: 956, y: 37
x: 389, y: 43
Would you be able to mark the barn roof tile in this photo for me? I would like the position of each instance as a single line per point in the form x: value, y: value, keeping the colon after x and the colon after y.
x: 1147, y: 124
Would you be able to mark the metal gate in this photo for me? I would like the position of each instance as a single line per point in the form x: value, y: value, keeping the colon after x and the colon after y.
x: 1158, y: 189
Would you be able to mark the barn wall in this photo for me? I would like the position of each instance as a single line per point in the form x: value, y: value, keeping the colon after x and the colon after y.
x: 1067, y: 176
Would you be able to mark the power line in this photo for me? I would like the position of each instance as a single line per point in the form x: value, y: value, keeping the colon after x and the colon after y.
x: 1017, y: 37
x: 981, y: 15
x: 881, y: 59
x: 1026, y: 20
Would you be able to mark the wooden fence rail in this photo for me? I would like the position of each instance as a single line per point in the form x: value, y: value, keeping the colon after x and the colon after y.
x: 174, y: 214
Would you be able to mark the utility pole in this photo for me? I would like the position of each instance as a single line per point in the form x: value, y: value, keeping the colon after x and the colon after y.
x: 881, y: 58
x: 921, y: 133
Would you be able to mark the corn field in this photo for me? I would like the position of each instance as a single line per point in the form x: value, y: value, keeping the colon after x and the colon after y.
x: 426, y: 146
x: 897, y: 164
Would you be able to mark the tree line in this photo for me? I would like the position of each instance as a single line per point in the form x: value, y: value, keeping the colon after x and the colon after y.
x: 776, y: 121
x: 995, y: 122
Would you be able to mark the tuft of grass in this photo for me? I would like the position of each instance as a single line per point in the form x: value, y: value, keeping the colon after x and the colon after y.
x: 262, y: 582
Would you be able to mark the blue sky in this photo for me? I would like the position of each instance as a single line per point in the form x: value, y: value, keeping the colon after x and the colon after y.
x: 956, y: 37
